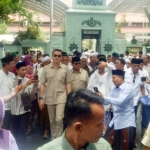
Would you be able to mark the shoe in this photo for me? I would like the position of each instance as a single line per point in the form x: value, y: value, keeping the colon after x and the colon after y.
x: 45, y: 137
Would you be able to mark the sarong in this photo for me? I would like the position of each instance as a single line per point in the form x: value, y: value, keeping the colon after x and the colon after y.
x: 122, y: 139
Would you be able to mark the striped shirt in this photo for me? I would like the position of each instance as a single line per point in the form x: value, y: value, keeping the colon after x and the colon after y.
x: 17, y: 107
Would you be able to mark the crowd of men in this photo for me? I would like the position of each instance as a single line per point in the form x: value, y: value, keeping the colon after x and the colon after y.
x: 87, y: 100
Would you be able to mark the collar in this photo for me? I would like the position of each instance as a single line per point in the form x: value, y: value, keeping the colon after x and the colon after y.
x: 122, y: 86
x: 51, y: 65
x: 76, y: 71
x: 5, y: 73
x: 20, y: 77
x: 65, y: 143
x: 67, y: 146
x: 131, y: 72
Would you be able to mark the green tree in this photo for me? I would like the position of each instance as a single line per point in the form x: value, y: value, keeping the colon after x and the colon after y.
x: 3, y: 28
x: 32, y: 28
x: 9, y: 7
x: 90, y: 44
x: 121, y: 23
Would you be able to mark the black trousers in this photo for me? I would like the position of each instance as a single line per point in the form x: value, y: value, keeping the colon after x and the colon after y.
x: 7, y: 120
x: 19, y: 126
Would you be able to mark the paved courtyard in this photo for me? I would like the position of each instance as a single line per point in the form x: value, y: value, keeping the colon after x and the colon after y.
x: 35, y: 139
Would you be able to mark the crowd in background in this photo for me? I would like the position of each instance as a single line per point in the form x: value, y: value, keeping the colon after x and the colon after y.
x: 48, y: 80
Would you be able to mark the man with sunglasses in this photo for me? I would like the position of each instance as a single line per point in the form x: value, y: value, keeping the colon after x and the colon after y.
x: 55, y: 84
x: 79, y: 76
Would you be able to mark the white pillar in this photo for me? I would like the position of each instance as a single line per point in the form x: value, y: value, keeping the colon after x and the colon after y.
x: 2, y: 54
x: 51, y: 18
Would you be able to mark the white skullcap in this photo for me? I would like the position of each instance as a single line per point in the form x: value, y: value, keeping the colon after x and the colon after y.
x: 127, y: 60
x: 74, y: 50
x: 7, y: 51
x: 86, y: 53
x: 83, y: 56
x: 45, y: 59
x: 93, y: 54
x: 130, y: 57
x: 23, y: 56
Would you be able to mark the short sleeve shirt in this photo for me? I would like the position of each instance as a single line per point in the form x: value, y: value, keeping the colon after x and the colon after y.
x: 79, y: 79
x: 146, y: 138
x: 55, y: 80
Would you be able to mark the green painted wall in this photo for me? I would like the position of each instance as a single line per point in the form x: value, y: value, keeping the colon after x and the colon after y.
x: 87, y: 15
x: 74, y: 26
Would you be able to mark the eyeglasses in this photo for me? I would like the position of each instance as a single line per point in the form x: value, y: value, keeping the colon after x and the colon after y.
x: 77, y: 63
x: 57, y: 55
x: 134, y: 78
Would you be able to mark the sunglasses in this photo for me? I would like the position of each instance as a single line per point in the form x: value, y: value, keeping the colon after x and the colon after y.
x: 77, y: 63
x: 57, y: 55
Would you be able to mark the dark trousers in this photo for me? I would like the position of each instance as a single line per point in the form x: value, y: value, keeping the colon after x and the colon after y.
x: 122, y: 139
x: 43, y: 118
x: 136, y: 110
x: 7, y: 120
x: 19, y: 125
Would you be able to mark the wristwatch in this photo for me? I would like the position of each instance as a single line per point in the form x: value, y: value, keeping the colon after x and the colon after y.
x: 40, y: 98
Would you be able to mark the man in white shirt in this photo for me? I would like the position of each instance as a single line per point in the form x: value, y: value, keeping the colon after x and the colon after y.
x: 114, y: 58
x: 84, y: 64
x: 133, y: 77
x: 128, y: 64
x: 101, y: 79
x: 120, y: 63
x: 19, y: 115
x: 145, y: 72
x: 93, y: 60
x: 126, y: 55
x: 6, y: 82
x: 146, y: 64
x: 65, y: 60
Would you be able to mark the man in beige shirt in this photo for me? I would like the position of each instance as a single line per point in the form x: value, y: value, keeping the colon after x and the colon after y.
x: 146, y: 139
x: 79, y: 77
x: 57, y: 80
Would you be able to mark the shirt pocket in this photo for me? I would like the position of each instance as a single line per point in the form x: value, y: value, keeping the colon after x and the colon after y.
x: 128, y: 81
x: 83, y: 78
x: 61, y: 76
x: 49, y: 76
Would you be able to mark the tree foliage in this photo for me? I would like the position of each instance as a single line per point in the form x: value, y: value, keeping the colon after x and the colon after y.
x: 32, y: 28
x: 121, y: 23
x: 12, y: 7
x: 9, y: 7
x: 3, y: 28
